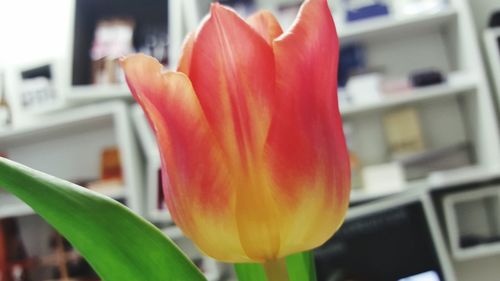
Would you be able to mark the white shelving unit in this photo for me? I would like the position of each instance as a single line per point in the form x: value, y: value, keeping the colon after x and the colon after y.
x: 473, y: 215
x: 95, y: 93
x: 491, y: 39
x: 389, y: 26
x: 457, y: 84
x: 68, y: 145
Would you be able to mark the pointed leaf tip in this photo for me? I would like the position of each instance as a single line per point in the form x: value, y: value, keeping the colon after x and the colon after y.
x: 117, y: 243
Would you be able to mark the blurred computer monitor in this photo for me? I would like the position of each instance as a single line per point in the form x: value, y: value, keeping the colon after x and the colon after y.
x: 389, y: 243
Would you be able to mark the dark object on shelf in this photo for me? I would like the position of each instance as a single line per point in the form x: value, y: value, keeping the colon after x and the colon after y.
x: 469, y: 241
x: 161, y: 196
x: 13, y: 258
x: 374, y: 10
x: 351, y: 60
x: 451, y: 157
x: 426, y: 78
x: 494, y: 19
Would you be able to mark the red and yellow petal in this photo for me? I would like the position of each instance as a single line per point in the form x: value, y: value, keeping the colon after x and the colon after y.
x: 232, y: 70
x: 306, y: 148
x: 198, y: 188
x: 187, y: 52
x: 266, y: 24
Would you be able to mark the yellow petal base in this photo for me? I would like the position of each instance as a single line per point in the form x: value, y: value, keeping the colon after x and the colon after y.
x: 276, y: 270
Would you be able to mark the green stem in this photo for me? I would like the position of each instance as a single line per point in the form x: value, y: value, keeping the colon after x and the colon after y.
x: 276, y: 270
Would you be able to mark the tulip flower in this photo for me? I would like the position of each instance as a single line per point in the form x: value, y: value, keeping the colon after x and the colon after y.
x: 253, y: 153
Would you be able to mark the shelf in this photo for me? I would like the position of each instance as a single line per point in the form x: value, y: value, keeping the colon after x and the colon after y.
x: 456, y: 84
x: 473, y: 222
x: 93, y: 93
x: 11, y: 206
x: 389, y: 25
x: 491, y: 38
x: 359, y: 195
x: 47, y: 126
x: 116, y: 192
x: 173, y: 232
x: 52, y: 143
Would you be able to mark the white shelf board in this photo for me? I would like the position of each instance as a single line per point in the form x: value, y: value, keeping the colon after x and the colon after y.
x: 69, y: 118
x: 93, y: 93
x: 492, y: 48
x: 173, y: 232
x: 389, y: 25
x: 359, y: 195
x: 462, y: 176
x: 456, y: 84
x: 435, y: 180
x: 10, y: 206
x: 116, y: 192
x: 77, y: 120
x: 452, y: 223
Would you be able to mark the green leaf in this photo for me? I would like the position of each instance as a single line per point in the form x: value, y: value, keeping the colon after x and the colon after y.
x: 300, y: 267
x: 118, y: 244
x: 250, y: 272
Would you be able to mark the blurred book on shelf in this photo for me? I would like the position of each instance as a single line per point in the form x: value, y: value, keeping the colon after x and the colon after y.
x: 111, y: 175
x: 446, y: 158
x: 403, y: 132
x: 365, y: 9
x: 112, y: 40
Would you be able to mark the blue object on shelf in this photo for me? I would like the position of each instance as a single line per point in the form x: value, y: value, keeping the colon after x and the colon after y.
x: 370, y: 11
x: 351, y: 59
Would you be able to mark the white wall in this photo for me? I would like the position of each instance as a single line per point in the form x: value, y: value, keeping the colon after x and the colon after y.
x: 33, y: 30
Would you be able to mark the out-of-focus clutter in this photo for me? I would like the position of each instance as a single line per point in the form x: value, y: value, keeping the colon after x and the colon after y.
x: 111, y: 175
x: 104, y: 34
x: 112, y: 40
x: 21, y: 259
x: 491, y: 39
x: 412, y: 94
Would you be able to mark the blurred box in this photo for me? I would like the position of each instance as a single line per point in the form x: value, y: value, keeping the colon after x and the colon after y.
x: 364, y: 88
x: 383, y: 178
x: 451, y: 157
x: 403, y: 132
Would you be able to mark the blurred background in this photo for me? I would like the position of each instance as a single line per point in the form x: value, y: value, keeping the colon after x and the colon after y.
x: 419, y: 82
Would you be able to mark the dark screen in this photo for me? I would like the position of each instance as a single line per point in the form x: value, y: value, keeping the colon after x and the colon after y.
x: 386, y: 246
